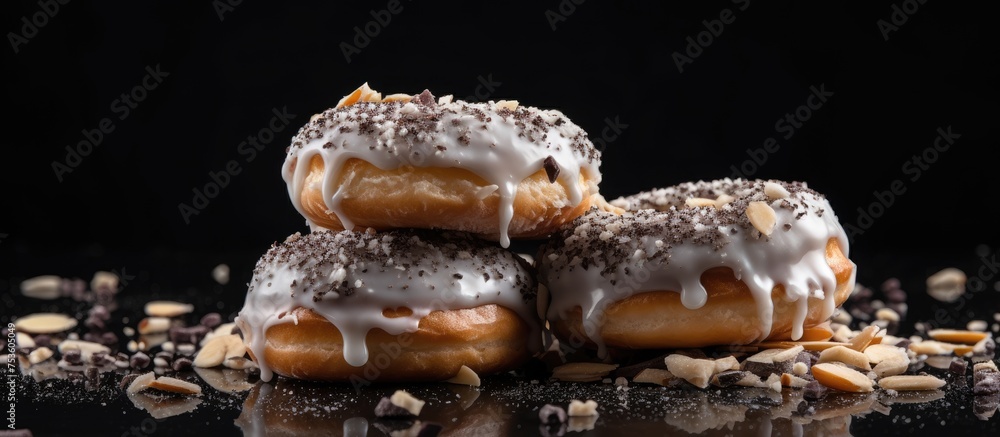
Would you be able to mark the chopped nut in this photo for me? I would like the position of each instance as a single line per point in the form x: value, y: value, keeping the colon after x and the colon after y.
x: 24, y: 340
x: 104, y: 281
x: 45, y: 323
x: 800, y: 368
x: 653, y: 376
x: 910, y: 382
x: 727, y: 363
x: 842, y: 378
x: 696, y: 371
x: 947, y: 285
x: 465, y: 376
x: 775, y: 191
x: 402, y: 98
x: 362, y: 94
x: 771, y: 361
x: 957, y: 336
x: 846, y: 356
x: 977, y: 325
x: 789, y: 380
x: 153, y: 325
x: 723, y: 200
x: 578, y: 408
x: 864, y: 338
x: 38, y: 355
x: 166, y: 308
x: 42, y: 287
x: 175, y: 385
x: 551, y: 414
x: 887, y: 314
x: 141, y: 383
x: 507, y: 104
x: 931, y: 347
x: 219, y: 349
x: 762, y: 217
x: 699, y: 202
x: 888, y: 360
x: 402, y: 401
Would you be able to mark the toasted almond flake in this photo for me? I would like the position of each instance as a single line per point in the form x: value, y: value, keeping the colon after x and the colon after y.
x: 699, y: 202
x: 910, y: 382
x: 579, y: 408
x: 775, y: 191
x: 174, y: 385
x: 167, y: 308
x: 762, y: 217
x: 888, y: 360
x: 38, y: 355
x: 154, y: 325
x: 42, y: 287
x: 777, y: 355
x: 845, y: 355
x: 362, y: 94
x: 841, y: 333
x: 465, y: 376
x: 653, y: 376
x: 223, y: 329
x: 842, y: 378
x: 957, y: 336
x: 977, y: 325
x: 887, y: 314
x: 807, y: 345
x: 141, y: 383
x: 218, y: 350
x: 864, y: 338
x: 507, y: 104
x: 407, y: 402
x: 694, y: 370
x: 723, y: 200
x: 932, y: 347
x: 947, y: 285
x: 399, y: 97
x: 45, y: 323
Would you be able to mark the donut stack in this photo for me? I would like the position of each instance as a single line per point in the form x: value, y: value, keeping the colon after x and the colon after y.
x: 412, y: 201
x: 407, y: 197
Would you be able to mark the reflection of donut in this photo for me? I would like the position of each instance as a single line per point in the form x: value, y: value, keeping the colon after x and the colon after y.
x: 397, y: 305
x: 723, y: 262
x: 495, y: 169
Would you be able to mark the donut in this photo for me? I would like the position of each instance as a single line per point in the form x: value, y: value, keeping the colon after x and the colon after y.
x: 697, y: 264
x: 496, y: 169
x: 402, y: 305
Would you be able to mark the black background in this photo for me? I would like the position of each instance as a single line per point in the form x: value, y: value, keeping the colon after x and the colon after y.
x: 606, y: 60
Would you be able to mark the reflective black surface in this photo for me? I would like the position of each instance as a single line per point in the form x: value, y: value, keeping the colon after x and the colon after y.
x: 503, y: 405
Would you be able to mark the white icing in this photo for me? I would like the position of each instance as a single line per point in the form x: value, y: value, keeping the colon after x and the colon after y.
x: 794, y: 258
x: 501, y: 146
x: 427, y: 273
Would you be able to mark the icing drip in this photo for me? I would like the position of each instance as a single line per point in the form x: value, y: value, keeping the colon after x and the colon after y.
x: 648, y: 250
x: 349, y: 278
x: 500, y: 145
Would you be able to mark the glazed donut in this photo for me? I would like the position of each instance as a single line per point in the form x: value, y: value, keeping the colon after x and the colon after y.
x: 499, y: 170
x: 698, y: 264
x: 402, y: 305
